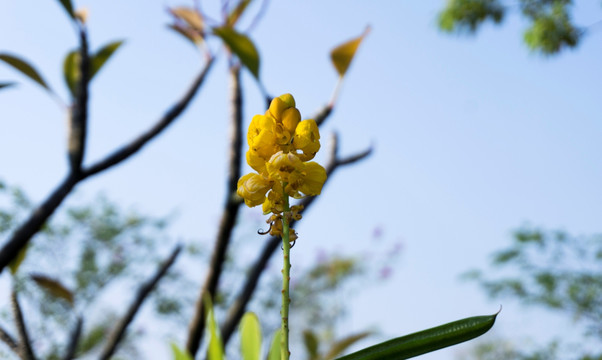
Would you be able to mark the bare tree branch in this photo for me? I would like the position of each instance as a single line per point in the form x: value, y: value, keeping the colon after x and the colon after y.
x: 323, y: 114
x: 9, y: 340
x: 74, y: 339
x: 38, y: 217
x: 78, y: 114
x: 239, y: 306
x: 25, y: 350
x: 231, y: 208
x: 143, y: 292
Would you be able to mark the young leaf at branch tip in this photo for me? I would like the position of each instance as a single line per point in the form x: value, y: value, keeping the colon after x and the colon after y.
x: 190, y: 16
x: 6, y: 84
x: 274, y: 353
x: 178, y: 354
x: 102, y: 56
x: 71, y: 71
x: 250, y: 337
x: 426, y: 341
x: 26, y: 69
x: 53, y: 287
x: 237, y: 12
x: 343, y: 54
x: 241, y: 46
x: 68, y: 7
x: 194, y: 37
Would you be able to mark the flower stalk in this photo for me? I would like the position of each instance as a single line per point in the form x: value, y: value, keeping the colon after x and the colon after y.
x: 286, y: 278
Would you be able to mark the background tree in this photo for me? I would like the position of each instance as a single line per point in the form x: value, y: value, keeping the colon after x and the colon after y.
x: 550, y: 26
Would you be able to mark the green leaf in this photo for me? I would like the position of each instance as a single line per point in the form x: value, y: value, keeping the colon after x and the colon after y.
x: 215, y: 350
x: 250, y: 337
x: 16, y: 262
x: 426, y: 341
x: 6, y: 84
x: 71, y: 71
x: 68, y: 7
x: 25, y: 69
x: 341, y: 345
x: 53, y: 287
x: 242, y: 46
x: 342, y: 55
x: 102, y: 56
x: 274, y: 353
x: 179, y: 354
x: 310, y: 340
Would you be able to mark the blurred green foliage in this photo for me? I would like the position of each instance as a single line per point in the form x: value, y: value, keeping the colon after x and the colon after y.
x: 550, y: 29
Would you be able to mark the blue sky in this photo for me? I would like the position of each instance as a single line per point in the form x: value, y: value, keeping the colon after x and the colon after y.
x: 473, y: 136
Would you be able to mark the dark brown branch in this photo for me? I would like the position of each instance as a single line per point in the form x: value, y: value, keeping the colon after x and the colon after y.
x: 231, y: 208
x: 25, y: 350
x: 142, y: 294
x: 9, y: 340
x: 78, y: 116
x: 135, y: 145
x: 238, y: 309
x: 74, y: 339
x: 323, y: 114
x: 34, y: 223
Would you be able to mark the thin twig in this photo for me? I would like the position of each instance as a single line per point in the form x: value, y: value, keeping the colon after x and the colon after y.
x: 40, y: 215
x: 239, y: 306
x: 231, y: 208
x: 142, y: 294
x: 25, y: 350
x: 74, y: 339
x: 323, y: 114
x: 9, y: 340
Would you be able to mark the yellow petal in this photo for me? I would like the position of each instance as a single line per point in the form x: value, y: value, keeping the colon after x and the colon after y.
x: 290, y: 119
x: 284, y: 167
x: 256, y: 162
x: 307, y: 139
x: 315, y: 176
x: 252, y: 188
x: 288, y: 99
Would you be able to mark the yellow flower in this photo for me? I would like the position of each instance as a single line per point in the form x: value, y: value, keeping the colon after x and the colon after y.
x: 252, y: 188
x: 307, y: 139
x: 280, y: 144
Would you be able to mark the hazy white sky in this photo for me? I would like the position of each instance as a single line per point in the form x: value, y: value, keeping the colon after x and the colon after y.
x: 473, y: 136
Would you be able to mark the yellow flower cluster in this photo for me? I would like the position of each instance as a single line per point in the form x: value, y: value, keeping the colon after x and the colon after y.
x: 280, y: 149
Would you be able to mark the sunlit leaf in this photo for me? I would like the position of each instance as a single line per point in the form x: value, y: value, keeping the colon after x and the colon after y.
x: 250, y: 337
x: 215, y: 350
x: 242, y: 46
x: 102, y: 55
x: 68, y: 7
x: 343, y: 344
x: 343, y: 54
x: 179, y: 354
x: 274, y: 353
x: 16, y: 262
x: 426, y: 341
x: 25, y: 69
x: 310, y: 340
x: 6, y: 84
x: 237, y: 12
x: 190, y: 16
x: 53, y: 287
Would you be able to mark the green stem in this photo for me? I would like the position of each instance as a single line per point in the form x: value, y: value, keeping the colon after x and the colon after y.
x: 286, y: 277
